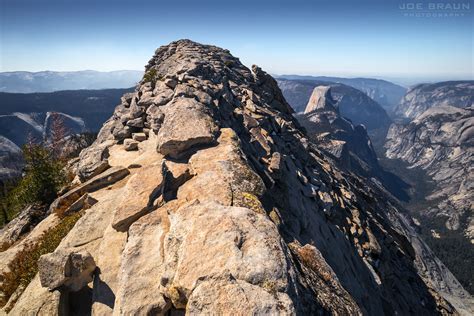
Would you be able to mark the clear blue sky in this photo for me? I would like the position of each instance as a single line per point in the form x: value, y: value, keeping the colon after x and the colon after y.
x: 350, y: 38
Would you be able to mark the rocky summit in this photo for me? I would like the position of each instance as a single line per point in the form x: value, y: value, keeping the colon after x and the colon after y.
x: 203, y: 195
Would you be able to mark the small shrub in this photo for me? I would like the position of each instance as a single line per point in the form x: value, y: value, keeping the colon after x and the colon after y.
x: 24, y: 266
x: 43, y: 178
x: 229, y: 63
x: 150, y: 76
x: 6, y: 211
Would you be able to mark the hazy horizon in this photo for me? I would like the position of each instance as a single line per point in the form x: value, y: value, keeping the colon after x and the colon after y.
x: 404, y: 81
x: 338, y: 38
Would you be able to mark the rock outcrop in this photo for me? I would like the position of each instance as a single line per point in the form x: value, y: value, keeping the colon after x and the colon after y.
x: 321, y: 100
x: 424, y: 96
x: 21, y: 225
x: 230, y: 209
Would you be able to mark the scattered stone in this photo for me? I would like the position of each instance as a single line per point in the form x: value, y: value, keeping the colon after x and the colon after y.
x: 275, y: 163
x: 66, y: 269
x: 139, y: 137
x: 138, y: 122
x: 135, y: 110
x: 84, y: 202
x: 130, y: 144
x: 93, y: 160
x: 127, y: 98
x: 171, y: 82
x: 121, y: 132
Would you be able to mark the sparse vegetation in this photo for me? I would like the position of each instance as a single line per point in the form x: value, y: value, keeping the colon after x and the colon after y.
x: 150, y: 76
x: 451, y: 242
x: 43, y: 176
x: 24, y: 266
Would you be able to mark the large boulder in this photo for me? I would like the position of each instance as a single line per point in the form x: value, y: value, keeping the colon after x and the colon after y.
x: 176, y: 135
x: 228, y: 295
x: 66, y: 269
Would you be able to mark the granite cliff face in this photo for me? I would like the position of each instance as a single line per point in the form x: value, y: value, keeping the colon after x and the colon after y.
x: 336, y: 135
x: 424, y: 96
x: 435, y: 135
x: 385, y: 93
x: 352, y: 103
x: 441, y: 141
x: 202, y: 195
x: 348, y: 144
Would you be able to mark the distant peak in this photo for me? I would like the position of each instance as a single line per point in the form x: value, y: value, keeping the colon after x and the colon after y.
x: 322, y: 100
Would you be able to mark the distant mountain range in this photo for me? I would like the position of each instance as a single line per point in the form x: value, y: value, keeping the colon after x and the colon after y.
x: 424, y: 96
x: 386, y: 93
x: 49, y: 81
x: 25, y: 115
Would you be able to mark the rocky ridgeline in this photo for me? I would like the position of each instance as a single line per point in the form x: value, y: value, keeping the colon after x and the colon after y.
x: 441, y: 141
x: 202, y: 194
